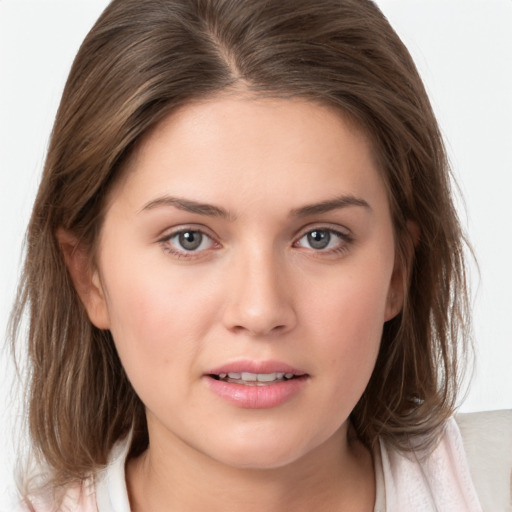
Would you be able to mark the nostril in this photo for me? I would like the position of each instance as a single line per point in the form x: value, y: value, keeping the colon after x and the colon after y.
x: 258, y: 316
x: 259, y: 330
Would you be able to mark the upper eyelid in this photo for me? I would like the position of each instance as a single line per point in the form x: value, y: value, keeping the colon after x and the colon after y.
x: 341, y: 230
x: 168, y: 233
x: 165, y: 242
x: 168, y: 246
x: 344, y: 241
x: 344, y: 236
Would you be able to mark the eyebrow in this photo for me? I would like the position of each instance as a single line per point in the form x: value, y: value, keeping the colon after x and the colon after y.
x: 211, y: 210
x: 187, y: 205
x: 329, y: 205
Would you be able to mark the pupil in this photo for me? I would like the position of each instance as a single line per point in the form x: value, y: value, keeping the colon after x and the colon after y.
x: 190, y: 240
x: 319, y: 239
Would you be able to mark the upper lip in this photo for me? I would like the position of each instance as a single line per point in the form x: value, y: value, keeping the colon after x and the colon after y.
x: 251, y: 366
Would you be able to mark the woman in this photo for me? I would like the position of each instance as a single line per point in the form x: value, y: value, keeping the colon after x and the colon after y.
x: 253, y: 285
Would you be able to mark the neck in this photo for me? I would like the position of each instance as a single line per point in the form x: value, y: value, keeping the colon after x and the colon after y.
x: 338, y: 475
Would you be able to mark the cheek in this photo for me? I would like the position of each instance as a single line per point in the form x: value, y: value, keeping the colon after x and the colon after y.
x: 354, y: 337
x: 157, y: 315
x: 348, y: 315
x: 351, y: 304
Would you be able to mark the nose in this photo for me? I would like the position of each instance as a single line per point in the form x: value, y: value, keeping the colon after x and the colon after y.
x: 260, y: 296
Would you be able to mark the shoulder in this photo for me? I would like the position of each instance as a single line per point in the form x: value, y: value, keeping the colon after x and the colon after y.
x: 487, y: 440
x: 429, y: 480
x: 470, y: 468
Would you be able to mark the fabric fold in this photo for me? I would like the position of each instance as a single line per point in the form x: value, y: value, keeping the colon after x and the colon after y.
x: 440, y: 482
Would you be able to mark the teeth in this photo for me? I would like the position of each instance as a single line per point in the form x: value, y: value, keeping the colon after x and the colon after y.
x: 266, y: 377
x: 256, y: 377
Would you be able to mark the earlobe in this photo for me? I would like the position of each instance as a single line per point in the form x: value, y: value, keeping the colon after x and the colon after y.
x: 396, y: 291
x: 402, y: 271
x: 397, y: 285
x: 86, y: 279
x: 394, y: 302
x: 414, y: 234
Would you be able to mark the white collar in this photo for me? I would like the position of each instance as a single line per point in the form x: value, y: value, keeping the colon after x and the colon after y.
x: 404, y: 482
x: 111, y: 492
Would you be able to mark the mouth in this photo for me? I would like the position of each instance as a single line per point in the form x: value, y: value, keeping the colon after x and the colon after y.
x: 252, y: 384
x: 256, y: 385
x: 255, y: 379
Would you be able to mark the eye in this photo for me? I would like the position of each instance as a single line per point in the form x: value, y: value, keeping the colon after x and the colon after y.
x: 319, y: 239
x: 324, y: 239
x: 187, y: 241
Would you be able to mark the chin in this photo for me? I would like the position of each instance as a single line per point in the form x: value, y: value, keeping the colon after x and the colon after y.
x: 259, y: 454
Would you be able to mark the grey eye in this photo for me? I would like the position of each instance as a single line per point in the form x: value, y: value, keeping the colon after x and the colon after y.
x: 325, y: 240
x: 188, y: 243
x: 190, y: 240
x: 319, y: 238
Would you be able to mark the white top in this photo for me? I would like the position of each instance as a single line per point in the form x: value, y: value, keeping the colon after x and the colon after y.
x: 439, y: 482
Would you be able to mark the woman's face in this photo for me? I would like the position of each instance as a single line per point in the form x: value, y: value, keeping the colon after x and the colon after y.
x: 246, y: 267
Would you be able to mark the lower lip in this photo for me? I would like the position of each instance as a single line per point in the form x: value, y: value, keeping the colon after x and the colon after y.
x: 257, y: 397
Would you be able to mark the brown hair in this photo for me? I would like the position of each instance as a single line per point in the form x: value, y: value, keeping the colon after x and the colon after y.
x: 142, y: 60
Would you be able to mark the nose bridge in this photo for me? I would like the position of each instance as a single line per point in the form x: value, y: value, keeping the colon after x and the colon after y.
x: 260, y: 301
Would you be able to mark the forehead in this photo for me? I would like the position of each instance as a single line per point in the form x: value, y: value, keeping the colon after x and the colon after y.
x: 253, y: 146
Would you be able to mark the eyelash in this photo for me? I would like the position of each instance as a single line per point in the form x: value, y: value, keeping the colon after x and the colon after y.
x: 166, y: 241
x: 345, y: 241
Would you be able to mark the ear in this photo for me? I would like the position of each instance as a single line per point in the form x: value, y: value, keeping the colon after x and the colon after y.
x: 402, y: 271
x: 86, y: 279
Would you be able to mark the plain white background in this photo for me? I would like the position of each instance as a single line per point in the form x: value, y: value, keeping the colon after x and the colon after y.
x: 463, y: 49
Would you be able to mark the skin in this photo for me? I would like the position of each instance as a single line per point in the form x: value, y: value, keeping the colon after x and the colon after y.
x: 255, y: 289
